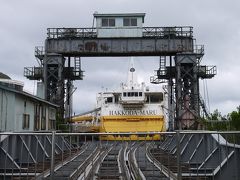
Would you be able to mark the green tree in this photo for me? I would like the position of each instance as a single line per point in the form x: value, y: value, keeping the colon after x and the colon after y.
x: 215, y: 115
x: 235, y: 119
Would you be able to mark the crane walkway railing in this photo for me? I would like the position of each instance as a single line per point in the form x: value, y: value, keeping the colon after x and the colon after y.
x: 147, y: 32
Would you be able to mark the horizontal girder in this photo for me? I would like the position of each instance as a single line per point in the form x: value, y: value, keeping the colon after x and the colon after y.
x: 119, y: 46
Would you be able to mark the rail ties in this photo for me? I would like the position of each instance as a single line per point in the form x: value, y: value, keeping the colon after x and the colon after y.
x: 89, y: 158
x: 146, y: 167
x: 110, y: 167
x: 72, y: 166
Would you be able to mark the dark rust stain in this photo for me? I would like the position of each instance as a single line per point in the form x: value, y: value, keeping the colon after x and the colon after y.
x: 81, y: 47
x: 91, y: 46
x: 104, y: 47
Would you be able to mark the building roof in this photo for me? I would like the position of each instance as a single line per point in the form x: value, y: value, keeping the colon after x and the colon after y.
x: 4, y: 76
x: 23, y: 93
x: 121, y: 15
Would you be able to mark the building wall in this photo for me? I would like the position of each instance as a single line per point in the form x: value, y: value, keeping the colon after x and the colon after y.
x: 23, y: 106
x: 7, y: 108
x: 15, y: 107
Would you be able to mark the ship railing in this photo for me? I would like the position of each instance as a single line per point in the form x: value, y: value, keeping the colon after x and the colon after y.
x: 174, y: 155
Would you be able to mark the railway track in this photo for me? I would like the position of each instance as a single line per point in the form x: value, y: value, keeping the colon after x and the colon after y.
x: 127, y: 160
x: 89, y: 158
x: 114, y: 160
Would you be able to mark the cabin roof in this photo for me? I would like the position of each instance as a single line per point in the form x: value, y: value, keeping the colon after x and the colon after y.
x: 121, y: 15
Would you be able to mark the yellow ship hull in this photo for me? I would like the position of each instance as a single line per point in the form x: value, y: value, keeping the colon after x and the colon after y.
x: 132, y: 124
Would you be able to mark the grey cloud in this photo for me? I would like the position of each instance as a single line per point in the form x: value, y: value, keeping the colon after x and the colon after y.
x: 216, y: 25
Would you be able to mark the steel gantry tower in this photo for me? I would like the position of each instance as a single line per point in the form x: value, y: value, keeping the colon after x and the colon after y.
x: 64, y: 45
x: 182, y: 75
x: 56, y: 73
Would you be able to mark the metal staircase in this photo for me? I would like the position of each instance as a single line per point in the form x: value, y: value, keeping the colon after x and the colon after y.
x: 161, y: 73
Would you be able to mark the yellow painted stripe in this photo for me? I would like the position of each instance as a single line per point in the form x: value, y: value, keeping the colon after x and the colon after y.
x: 82, y: 118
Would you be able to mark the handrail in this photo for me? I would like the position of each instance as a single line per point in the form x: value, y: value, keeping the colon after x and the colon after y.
x: 170, y: 32
x: 126, y: 133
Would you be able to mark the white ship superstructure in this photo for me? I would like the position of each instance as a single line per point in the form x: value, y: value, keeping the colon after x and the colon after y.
x: 133, y: 108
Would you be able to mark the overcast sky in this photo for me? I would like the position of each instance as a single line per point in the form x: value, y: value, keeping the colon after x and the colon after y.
x: 216, y: 24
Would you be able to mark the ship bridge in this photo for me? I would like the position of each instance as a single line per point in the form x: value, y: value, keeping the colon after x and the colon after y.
x: 133, y: 93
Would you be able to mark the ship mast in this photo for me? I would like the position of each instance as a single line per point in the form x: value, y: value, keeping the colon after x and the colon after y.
x: 132, y: 82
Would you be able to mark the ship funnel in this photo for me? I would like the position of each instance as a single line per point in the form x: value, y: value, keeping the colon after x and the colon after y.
x: 132, y: 82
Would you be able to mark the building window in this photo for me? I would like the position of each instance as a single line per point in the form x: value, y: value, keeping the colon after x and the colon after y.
x: 26, y: 120
x: 43, y: 122
x: 37, y: 118
x: 51, y: 124
x: 52, y: 119
x: 108, y: 22
x: 129, y: 21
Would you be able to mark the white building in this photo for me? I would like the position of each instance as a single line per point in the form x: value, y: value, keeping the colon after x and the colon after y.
x: 21, y: 111
x: 119, y: 25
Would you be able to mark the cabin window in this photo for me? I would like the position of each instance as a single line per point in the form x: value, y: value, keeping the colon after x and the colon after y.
x: 26, y: 120
x: 116, y: 97
x: 147, y: 99
x: 109, y: 100
x: 108, y: 22
x: 156, y: 98
x: 129, y: 21
x: 124, y: 94
x: 140, y: 93
x: 136, y: 94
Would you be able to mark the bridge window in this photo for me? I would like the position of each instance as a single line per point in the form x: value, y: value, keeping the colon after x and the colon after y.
x: 130, y: 22
x: 109, y: 100
x: 132, y: 94
x: 155, y: 98
x: 116, y: 97
x: 108, y: 22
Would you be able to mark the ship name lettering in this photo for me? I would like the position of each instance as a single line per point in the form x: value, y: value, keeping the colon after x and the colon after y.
x: 133, y: 112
